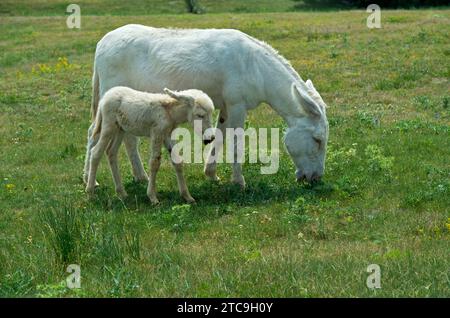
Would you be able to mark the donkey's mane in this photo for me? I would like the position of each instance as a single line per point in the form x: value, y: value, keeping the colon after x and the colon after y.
x: 265, y: 46
x: 288, y: 66
x: 274, y: 53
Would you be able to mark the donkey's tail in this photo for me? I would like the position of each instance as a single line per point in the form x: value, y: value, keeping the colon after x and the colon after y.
x: 95, y: 94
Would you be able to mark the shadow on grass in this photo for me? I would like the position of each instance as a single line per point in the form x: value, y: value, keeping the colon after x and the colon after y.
x: 209, y: 194
x: 336, y: 5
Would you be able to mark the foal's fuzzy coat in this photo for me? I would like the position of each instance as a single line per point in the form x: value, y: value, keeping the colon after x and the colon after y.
x: 123, y: 110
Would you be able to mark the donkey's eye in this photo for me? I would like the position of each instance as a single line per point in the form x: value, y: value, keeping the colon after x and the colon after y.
x: 318, y: 141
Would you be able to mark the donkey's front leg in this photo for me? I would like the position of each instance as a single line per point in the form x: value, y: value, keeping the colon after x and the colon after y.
x: 177, y: 163
x: 236, y: 119
x: 211, y: 163
x: 154, y: 164
x: 91, y: 142
x: 131, y: 144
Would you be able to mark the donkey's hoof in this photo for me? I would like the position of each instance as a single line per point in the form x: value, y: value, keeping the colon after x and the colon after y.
x: 143, y: 178
x: 213, y: 178
x: 211, y: 174
x: 240, y: 182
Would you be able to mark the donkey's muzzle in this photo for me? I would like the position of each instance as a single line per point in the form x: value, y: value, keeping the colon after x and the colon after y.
x: 310, y: 178
x: 208, y: 141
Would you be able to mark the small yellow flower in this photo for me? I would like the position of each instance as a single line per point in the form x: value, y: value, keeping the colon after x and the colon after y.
x: 10, y: 186
x: 63, y: 63
x: 447, y: 225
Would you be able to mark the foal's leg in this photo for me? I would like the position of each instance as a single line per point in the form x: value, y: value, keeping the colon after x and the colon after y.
x: 131, y: 144
x: 211, y: 163
x: 178, y: 166
x: 96, y: 154
x: 112, y: 152
x: 155, y: 162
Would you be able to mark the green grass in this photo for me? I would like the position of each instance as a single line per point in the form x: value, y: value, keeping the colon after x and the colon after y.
x: 142, y: 7
x: 384, y: 199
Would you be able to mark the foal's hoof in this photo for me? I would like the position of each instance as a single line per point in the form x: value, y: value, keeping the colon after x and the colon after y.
x: 85, y: 180
x: 154, y: 201
x: 122, y: 195
x: 89, y: 191
x: 189, y: 200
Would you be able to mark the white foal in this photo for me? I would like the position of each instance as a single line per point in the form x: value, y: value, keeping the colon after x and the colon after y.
x: 123, y: 111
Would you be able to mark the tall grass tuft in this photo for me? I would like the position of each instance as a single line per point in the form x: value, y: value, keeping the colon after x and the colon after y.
x: 133, y: 243
x: 63, y: 231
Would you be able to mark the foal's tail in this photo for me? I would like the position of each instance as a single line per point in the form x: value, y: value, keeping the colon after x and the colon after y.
x: 98, y: 125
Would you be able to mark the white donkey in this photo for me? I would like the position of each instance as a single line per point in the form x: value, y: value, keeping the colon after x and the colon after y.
x: 236, y: 70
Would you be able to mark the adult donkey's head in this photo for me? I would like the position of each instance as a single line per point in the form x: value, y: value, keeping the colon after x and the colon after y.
x: 306, y: 141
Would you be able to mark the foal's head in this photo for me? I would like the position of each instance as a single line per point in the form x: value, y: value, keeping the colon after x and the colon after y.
x: 200, y: 111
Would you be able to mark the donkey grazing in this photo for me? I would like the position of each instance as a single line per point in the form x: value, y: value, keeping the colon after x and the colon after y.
x: 123, y: 110
x: 236, y: 70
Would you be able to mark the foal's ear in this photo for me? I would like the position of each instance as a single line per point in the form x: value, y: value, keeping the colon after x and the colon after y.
x: 189, y: 100
x: 171, y: 93
x: 307, y: 103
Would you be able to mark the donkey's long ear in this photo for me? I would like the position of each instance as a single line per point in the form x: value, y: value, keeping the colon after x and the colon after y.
x: 313, y: 91
x: 310, y: 84
x: 308, y: 104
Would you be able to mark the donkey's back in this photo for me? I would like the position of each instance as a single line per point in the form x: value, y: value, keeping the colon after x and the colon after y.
x: 149, y: 59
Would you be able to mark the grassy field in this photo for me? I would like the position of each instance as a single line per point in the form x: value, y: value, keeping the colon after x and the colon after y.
x: 385, y: 198
x: 140, y: 7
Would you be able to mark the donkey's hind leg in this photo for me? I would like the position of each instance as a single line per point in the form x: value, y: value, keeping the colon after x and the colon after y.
x: 131, y: 144
x: 91, y: 142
